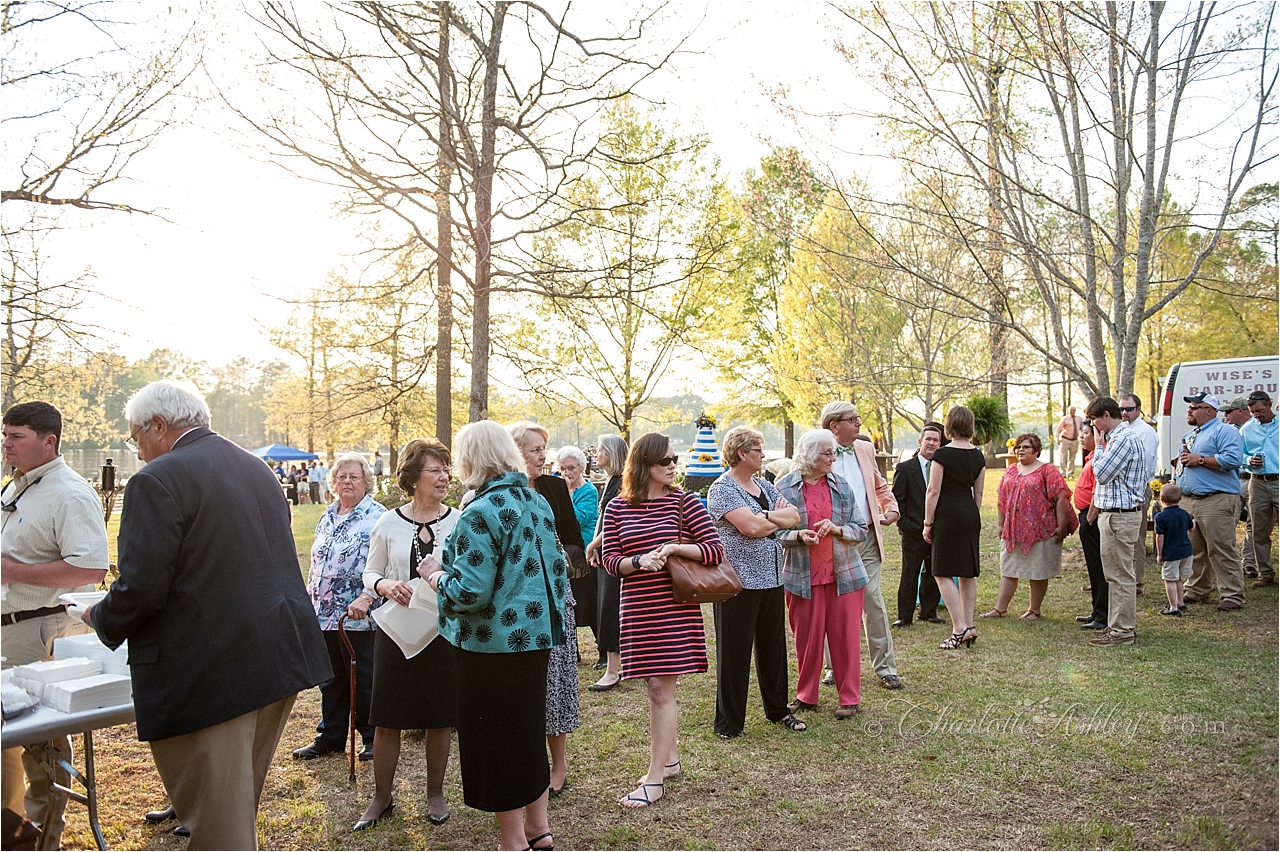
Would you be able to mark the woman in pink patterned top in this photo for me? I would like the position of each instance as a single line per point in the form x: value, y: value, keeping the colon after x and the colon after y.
x: 1034, y: 506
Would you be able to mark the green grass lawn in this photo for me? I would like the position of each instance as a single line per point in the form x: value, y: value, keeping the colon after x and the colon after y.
x: 1031, y: 739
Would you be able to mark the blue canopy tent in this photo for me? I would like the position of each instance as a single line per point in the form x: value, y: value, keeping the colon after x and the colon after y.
x: 281, y: 452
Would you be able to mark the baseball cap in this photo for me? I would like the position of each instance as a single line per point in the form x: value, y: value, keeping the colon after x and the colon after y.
x: 1204, y: 398
x: 1237, y: 404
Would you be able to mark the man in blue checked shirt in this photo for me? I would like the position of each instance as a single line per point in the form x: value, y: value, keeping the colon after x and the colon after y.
x: 1119, y: 465
x: 1261, y: 437
x: 1206, y: 471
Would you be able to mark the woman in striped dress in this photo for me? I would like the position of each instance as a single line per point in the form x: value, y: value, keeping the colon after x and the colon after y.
x: 661, y: 639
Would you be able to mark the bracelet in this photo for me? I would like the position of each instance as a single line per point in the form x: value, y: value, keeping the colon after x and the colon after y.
x: 928, y: 523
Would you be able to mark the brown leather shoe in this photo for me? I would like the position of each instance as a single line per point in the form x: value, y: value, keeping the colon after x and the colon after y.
x: 1228, y: 606
x: 1262, y: 582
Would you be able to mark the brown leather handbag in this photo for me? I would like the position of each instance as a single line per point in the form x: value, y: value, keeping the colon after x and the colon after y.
x: 697, y: 582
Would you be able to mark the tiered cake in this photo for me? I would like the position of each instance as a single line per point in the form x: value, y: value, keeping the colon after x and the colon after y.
x: 704, y: 458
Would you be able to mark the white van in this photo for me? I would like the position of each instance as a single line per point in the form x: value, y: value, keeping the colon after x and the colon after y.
x: 1225, y: 379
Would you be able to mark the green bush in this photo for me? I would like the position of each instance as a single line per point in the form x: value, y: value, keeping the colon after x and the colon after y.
x: 990, y: 418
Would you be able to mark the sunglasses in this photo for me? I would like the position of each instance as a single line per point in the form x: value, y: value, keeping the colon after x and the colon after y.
x: 667, y: 461
x: 1258, y: 397
x: 1128, y: 408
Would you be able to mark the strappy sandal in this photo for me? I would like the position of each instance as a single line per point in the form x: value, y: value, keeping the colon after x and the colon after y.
x: 669, y: 771
x: 543, y: 836
x: 955, y: 640
x: 791, y: 723
x: 639, y: 797
x: 1030, y: 615
x: 970, y: 636
x: 994, y: 613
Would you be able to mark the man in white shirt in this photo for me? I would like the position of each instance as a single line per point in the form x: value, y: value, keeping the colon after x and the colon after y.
x: 54, y: 541
x: 856, y: 462
x: 1068, y: 437
x: 1131, y: 413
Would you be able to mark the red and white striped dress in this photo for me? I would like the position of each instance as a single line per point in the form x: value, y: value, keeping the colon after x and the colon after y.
x: 659, y: 636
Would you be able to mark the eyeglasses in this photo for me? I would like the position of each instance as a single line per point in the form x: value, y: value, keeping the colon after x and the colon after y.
x: 1024, y: 447
x: 132, y: 441
x: 436, y: 471
x: 850, y: 419
x: 667, y: 461
x: 829, y: 454
x: 349, y: 477
x: 1128, y: 408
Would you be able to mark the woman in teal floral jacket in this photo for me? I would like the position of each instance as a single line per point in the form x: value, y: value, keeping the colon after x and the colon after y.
x: 501, y: 591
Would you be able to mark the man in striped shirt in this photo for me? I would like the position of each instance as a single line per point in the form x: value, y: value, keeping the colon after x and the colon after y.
x: 1120, y: 469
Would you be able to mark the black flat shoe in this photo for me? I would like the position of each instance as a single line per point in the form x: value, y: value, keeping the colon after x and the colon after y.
x: 901, y: 623
x: 438, y: 819
x: 366, y: 753
x: 361, y: 825
x: 181, y: 831
x: 552, y: 792
x: 933, y: 619
x: 605, y: 687
x: 1094, y: 625
x: 160, y: 816
x: 1084, y: 619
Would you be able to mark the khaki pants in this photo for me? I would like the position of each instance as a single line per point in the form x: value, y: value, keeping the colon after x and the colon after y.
x: 214, y: 776
x: 1262, y: 520
x: 27, y: 642
x: 1213, y: 546
x: 1247, y: 559
x: 1067, y: 451
x: 1119, y: 532
x: 875, y: 617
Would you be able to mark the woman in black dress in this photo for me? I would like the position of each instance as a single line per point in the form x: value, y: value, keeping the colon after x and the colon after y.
x: 952, y: 523
x: 611, y: 455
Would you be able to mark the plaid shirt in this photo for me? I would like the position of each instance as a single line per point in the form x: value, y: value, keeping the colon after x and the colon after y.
x: 1120, y: 468
x: 851, y: 575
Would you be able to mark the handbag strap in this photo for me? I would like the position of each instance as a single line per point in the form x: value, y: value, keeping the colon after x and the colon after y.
x: 680, y: 520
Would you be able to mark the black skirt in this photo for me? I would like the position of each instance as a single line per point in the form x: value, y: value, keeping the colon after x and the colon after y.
x: 502, y: 745
x: 417, y: 693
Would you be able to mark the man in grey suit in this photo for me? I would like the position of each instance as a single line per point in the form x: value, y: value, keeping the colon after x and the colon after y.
x: 222, y: 635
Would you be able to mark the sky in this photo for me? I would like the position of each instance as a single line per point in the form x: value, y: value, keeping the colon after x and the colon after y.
x: 236, y: 234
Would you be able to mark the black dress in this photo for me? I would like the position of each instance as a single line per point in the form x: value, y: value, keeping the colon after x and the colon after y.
x: 956, y: 522
x: 608, y: 602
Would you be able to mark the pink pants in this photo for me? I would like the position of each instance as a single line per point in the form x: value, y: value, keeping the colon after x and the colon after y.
x: 828, y: 616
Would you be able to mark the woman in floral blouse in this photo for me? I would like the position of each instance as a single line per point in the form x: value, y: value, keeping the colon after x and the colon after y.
x: 336, y: 583
x: 1034, y: 513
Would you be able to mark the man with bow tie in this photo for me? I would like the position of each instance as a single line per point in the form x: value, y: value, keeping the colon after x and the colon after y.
x: 856, y: 462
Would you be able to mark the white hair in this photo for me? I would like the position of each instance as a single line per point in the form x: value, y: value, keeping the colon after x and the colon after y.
x: 483, y: 450
x: 809, y: 447
x: 569, y: 451
x: 366, y: 470
x: 179, y: 403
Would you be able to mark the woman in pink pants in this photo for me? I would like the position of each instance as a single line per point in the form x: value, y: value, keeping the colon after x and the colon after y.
x: 822, y: 573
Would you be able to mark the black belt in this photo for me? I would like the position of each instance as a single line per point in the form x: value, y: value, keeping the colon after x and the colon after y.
x: 15, y: 617
x: 1134, y: 509
x: 1267, y: 477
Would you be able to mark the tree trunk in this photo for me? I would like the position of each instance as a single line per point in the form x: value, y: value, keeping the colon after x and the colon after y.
x: 444, y: 244
x: 479, y: 407
x: 789, y: 436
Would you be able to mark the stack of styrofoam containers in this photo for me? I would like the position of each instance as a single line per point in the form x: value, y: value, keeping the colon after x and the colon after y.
x: 90, y: 646
x: 88, y: 693
x: 35, y: 677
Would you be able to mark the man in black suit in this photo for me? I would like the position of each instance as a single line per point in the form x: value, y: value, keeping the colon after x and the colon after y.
x: 222, y: 635
x: 910, y: 481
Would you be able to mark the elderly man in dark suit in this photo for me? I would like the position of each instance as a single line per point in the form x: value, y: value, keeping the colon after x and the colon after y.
x: 910, y: 482
x: 221, y: 633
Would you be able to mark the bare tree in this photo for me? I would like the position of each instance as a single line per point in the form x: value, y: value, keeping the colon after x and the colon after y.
x: 1113, y: 81
x: 74, y: 123
x: 487, y: 105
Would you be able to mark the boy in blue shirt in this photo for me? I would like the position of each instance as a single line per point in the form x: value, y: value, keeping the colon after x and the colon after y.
x: 1173, y: 547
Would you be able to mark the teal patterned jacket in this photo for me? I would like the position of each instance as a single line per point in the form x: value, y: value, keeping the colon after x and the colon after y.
x: 506, y: 575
